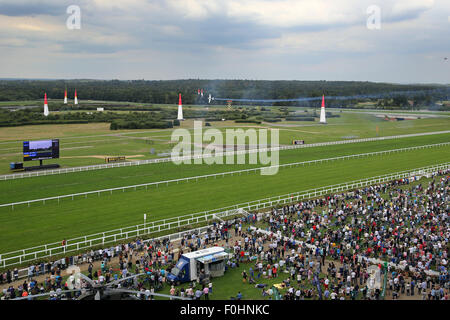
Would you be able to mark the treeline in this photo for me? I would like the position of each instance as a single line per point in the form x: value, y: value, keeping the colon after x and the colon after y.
x: 161, y: 119
x: 148, y: 117
x: 130, y: 120
x: 166, y: 92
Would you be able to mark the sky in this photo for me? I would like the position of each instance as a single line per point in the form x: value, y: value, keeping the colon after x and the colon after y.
x: 227, y: 39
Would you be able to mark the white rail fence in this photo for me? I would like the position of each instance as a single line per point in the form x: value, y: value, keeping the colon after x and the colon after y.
x: 215, y: 175
x: 219, y: 154
x: 109, y: 237
x: 172, y: 238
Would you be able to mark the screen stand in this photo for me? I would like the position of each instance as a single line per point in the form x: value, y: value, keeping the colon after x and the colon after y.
x: 42, y: 167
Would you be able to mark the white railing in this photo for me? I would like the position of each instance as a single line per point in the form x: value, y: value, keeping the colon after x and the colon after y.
x: 172, y: 238
x: 73, y: 245
x: 219, y: 154
x: 215, y: 175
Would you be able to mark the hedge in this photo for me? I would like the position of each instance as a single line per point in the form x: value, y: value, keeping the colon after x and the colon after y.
x: 299, y: 119
x: 247, y: 121
x: 115, y: 125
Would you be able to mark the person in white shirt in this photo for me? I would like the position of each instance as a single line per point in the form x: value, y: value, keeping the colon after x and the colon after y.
x: 353, y: 274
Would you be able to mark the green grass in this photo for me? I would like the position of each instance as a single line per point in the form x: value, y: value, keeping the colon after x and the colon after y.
x: 43, y: 223
x: 231, y: 283
x: 54, y: 185
x: 87, y: 144
x: 28, y: 226
x: 20, y: 103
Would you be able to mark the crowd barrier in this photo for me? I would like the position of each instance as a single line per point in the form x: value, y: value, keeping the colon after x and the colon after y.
x: 215, y: 175
x: 109, y: 237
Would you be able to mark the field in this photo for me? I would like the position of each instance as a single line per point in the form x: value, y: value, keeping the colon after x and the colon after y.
x: 87, y: 144
x: 27, y: 226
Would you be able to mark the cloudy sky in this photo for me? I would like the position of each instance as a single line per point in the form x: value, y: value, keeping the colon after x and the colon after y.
x: 227, y: 39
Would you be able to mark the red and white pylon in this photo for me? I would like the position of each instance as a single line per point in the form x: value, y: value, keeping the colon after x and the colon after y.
x: 323, y: 118
x: 180, y: 108
x: 46, y: 112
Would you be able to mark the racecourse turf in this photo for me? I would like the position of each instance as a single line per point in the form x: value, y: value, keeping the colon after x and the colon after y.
x: 42, y: 223
x: 87, y: 144
x: 54, y: 185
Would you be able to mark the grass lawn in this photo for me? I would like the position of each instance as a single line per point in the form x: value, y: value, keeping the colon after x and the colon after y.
x: 231, y: 283
x: 87, y: 144
x: 83, y: 144
x: 42, y: 223
x: 53, y: 185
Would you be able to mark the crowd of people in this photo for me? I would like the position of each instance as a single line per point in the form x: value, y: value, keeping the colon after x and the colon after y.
x: 407, y: 226
x: 151, y: 259
x: 317, y: 249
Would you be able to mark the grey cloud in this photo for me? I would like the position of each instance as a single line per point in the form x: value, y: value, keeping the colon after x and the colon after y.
x: 194, y: 53
x: 404, y: 16
x: 34, y: 7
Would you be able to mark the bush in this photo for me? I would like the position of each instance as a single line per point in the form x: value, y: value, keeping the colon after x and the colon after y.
x: 247, y: 121
x: 272, y: 120
x: 176, y: 123
x: 299, y: 119
x: 123, y: 124
x: 113, y: 126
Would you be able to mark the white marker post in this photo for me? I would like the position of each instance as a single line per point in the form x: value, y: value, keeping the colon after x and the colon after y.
x: 145, y: 218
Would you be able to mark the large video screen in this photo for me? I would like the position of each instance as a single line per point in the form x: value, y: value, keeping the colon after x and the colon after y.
x: 40, y: 150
